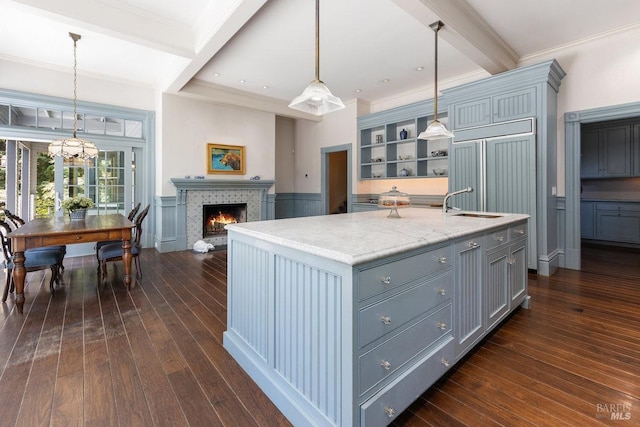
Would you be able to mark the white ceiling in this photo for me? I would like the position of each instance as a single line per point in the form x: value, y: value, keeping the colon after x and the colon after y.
x: 269, y: 44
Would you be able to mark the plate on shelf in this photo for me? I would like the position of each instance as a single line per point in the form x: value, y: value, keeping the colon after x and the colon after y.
x: 439, y: 172
x: 439, y: 153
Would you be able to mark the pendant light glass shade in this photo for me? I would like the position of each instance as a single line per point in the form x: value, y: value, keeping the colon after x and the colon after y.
x: 74, y: 147
x: 436, y: 129
x: 317, y: 99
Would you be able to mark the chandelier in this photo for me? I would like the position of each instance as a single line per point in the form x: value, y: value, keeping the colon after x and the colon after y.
x: 74, y: 147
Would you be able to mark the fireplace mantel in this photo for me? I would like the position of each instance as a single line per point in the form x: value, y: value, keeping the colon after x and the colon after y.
x: 224, y: 184
x: 191, y: 193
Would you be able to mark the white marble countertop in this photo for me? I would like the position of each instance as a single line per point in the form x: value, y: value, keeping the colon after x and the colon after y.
x: 355, y: 238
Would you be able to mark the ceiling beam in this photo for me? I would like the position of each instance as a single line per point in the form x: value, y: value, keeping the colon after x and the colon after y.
x: 466, y: 31
x: 213, y: 39
x: 118, y: 20
x: 208, y: 92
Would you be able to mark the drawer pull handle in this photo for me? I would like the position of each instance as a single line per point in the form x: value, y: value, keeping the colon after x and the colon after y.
x: 500, y: 238
x: 445, y: 362
x: 442, y: 326
x: 386, y: 279
x: 511, y: 261
x: 518, y: 231
x: 442, y: 291
x: 442, y: 260
x: 390, y: 412
x: 473, y: 245
x: 78, y: 237
x: 386, y: 365
x: 386, y: 320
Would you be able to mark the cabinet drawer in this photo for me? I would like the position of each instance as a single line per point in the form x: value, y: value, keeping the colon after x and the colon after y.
x: 517, y: 231
x: 382, y: 278
x: 385, y: 406
x: 622, y: 207
x: 497, y: 238
x: 388, y: 315
x: 388, y: 357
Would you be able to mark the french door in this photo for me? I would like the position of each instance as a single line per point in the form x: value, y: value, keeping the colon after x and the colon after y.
x: 108, y: 180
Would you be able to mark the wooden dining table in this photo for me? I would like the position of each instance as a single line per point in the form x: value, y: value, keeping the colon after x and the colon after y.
x: 64, y: 231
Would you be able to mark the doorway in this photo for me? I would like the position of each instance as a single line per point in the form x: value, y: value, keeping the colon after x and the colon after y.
x: 573, y: 137
x: 336, y: 179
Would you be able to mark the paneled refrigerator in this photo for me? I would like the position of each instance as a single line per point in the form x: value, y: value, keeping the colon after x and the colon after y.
x: 499, y: 163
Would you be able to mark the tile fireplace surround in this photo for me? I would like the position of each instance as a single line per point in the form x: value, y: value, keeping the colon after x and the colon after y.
x: 192, y: 194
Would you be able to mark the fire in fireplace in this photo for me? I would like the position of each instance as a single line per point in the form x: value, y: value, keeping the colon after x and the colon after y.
x: 215, y: 217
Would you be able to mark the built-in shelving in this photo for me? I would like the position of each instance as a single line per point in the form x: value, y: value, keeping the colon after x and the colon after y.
x: 387, y: 152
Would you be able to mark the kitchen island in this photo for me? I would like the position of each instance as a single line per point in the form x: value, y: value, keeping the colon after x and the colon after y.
x: 346, y: 319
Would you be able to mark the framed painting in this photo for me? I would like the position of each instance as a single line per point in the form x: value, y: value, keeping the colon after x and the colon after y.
x: 225, y: 159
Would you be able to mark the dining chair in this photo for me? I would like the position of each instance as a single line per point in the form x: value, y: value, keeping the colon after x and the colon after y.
x: 114, y: 251
x: 130, y: 216
x: 39, y: 259
x: 17, y: 222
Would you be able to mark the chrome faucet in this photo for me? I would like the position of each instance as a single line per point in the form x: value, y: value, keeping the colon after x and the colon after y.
x: 445, y: 208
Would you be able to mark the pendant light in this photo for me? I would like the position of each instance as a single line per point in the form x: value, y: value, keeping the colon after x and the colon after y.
x: 436, y: 130
x: 317, y: 99
x: 74, y: 147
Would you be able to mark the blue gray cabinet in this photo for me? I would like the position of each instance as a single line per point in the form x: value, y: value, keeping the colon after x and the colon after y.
x: 490, y: 282
x: 497, y: 108
x: 636, y: 150
x: 606, y: 151
x: 588, y: 220
x: 618, y: 222
x: 500, y: 101
x: 389, y: 147
x: 506, y: 272
x: 502, y: 172
x: 354, y: 345
x: 469, y: 322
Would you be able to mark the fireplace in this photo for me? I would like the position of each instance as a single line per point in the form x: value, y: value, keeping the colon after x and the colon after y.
x: 193, y: 194
x: 216, y: 216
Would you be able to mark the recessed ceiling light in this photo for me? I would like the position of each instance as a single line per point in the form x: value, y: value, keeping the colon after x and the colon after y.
x: 243, y: 81
x: 216, y: 74
x: 358, y: 90
x: 265, y: 87
x: 386, y: 81
x: 419, y: 68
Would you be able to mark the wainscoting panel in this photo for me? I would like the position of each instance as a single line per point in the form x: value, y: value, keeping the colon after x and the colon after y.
x: 293, y: 205
x: 165, y: 233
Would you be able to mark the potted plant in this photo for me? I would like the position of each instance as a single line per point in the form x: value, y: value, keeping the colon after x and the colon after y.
x: 77, y: 206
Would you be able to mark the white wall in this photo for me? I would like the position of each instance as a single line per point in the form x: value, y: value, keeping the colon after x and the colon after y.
x: 45, y: 81
x: 338, y: 128
x: 188, y: 125
x: 285, y: 154
x: 600, y: 73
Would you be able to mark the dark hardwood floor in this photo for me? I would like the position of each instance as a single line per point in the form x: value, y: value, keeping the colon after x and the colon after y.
x: 99, y: 355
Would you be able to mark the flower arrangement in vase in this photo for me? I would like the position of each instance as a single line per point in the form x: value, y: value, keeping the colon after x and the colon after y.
x: 77, y: 206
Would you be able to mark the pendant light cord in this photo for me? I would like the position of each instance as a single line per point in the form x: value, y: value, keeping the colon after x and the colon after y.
x: 317, y: 40
x: 75, y: 38
x: 436, y: 27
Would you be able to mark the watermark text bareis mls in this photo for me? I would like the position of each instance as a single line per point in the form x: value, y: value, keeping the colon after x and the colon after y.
x: 613, y: 411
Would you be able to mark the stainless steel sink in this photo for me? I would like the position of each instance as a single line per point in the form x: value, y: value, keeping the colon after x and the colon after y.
x: 478, y: 215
